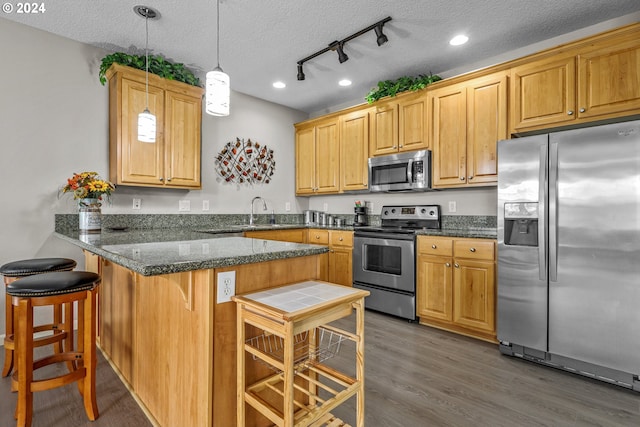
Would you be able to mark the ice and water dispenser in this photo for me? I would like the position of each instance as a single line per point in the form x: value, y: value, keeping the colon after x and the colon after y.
x: 521, y: 224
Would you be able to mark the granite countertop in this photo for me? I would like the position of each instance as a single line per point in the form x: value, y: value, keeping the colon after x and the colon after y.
x: 154, y: 252
x: 480, y: 233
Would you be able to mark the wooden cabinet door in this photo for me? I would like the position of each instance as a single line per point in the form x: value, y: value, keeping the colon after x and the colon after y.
x: 340, y: 266
x: 486, y: 125
x: 384, y: 129
x: 543, y: 93
x: 305, y: 161
x: 449, y: 128
x: 434, y: 292
x: 182, y: 140
x: 140, y: 162
x: 354, y: 153
x: 609, y: 79
x: 327, y: 158
x: 474, y: 294
x: 412, y: 125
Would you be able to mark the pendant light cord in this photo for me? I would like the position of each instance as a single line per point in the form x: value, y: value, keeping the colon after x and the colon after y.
x: 146, y: 50
x: 218, y: 36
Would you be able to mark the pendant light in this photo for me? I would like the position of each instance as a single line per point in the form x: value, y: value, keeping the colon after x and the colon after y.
x: 146, y: 120
x: 218, y: 90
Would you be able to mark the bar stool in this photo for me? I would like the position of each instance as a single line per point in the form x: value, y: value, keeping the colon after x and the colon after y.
x: 23, y: 268
x: 55, y: 289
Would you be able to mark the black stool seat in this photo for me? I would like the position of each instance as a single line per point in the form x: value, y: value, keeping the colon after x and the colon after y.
x: 28, y: 267
x: 57, y: 283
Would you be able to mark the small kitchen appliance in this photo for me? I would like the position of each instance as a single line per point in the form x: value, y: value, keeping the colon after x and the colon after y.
x: 409, y: 171
x: 384, y: 258
x: 360, y: 216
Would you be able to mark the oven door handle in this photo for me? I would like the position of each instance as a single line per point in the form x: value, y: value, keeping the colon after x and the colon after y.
x: 410, y: 171
x: 383, y: 235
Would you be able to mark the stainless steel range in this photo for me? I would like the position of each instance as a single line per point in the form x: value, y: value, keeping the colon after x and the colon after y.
x: 384, y: 260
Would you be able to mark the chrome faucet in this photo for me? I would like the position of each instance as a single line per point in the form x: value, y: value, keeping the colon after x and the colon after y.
x: 264, y: 208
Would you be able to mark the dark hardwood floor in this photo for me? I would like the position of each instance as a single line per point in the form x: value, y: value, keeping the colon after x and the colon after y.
x: 415, y: 376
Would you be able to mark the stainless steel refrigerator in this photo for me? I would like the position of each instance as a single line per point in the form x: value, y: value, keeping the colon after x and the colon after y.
x: 569, y: 250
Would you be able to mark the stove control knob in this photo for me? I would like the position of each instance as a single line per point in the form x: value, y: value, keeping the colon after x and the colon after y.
x: 423, y: 210
x: 432, y: 213
x: 386, y: 212
x: 393, y: 211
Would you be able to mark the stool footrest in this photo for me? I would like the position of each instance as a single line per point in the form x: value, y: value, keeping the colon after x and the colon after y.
x: 9, y: 341
x: 48, y: 384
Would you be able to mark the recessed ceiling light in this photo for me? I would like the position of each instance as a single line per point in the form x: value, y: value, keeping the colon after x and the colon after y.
x: 345, y: 82
x: 458, y: 40
x: 279, y: 85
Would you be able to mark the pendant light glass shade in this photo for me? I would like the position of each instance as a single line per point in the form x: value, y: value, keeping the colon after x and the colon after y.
x: 218, y: 91
x: 146, y: 127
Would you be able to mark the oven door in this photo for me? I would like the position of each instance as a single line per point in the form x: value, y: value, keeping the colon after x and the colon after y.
x: 385, y: 260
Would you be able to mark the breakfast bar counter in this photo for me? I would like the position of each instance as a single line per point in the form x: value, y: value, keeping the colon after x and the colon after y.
x: 166, y: 321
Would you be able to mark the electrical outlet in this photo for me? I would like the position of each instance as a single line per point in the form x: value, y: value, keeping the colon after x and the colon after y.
x: 184, y: 205
x: 205, y: 205
x: 325, y: 207
x: 452, y: 206
x: 137, y: 203
x: 226, y: 286
x: 287, y: 207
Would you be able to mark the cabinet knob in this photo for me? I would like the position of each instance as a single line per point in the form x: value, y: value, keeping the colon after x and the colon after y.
x: 331, y: 250
x: 470, y: 177
x: 472, y: 249
x: 456, y: 265
x: 582, y: 110
x: 317, y: 237
x: 341, y: 239
x: 168, y: 179
x: 447, y: 264
x: 462, y: 178
x: 401, y: 145
x: 570, y: 112
x: 433, y: 246
x: 394, y: 147
x: 161, y: 179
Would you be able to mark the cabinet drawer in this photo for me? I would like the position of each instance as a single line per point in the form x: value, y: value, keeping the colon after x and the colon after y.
x: 435, y: 245
x: 342, y: 238
x: 319, y: 237
x: 474, y: 249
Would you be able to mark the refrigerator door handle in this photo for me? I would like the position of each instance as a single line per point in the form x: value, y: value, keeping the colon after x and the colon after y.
x: 542, y: 219
x: 553, y: 212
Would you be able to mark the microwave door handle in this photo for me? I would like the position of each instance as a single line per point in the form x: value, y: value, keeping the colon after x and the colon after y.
x: 410, y: 171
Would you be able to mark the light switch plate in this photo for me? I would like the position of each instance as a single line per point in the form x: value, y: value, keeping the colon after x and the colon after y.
x: 184, y: 205
x: 205, y: 205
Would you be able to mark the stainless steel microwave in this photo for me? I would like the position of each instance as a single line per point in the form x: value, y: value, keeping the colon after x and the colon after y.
x: 409, y: 171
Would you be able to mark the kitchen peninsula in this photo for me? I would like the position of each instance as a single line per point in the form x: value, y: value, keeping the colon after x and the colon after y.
x: 160, y: 324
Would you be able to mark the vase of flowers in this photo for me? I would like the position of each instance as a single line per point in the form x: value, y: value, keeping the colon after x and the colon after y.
x: 89, y: 190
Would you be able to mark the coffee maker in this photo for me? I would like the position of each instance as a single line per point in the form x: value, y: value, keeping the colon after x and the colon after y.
x: 360, y: 216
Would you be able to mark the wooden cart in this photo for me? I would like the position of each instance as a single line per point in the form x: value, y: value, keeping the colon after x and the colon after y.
x: 290, y: 334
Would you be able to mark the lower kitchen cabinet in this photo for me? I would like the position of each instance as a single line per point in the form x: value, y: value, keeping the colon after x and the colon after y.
x: 337, y: 266
x: 456, y: 285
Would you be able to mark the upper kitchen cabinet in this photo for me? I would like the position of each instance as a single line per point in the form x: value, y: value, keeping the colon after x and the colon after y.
x: 591, y: 81
x: 354, y: 153
x: 174, y: 159
x: 318, y: 157
x: 399, y: 124
x: 467, y: 120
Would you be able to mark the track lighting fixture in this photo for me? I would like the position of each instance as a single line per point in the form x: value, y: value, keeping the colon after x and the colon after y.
x: 338, y: 45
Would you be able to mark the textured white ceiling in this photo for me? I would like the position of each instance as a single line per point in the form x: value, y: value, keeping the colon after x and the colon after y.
x: 261, y: 40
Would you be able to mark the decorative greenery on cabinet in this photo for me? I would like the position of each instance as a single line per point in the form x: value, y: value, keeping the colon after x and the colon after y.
x: 402, y: 84
x: 157, y: 65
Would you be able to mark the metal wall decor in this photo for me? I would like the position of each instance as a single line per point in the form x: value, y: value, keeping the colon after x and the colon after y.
x: 245, y: 162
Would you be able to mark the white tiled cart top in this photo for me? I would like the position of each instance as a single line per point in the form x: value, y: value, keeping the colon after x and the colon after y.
x: 301, y: 295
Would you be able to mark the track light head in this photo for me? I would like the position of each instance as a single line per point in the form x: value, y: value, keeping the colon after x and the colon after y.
x: 300, y: 72
x: 381, y: 38
x: 338, y: 47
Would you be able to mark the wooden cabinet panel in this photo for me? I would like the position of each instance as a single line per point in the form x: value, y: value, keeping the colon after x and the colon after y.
x: 435, y: 293
x: 399, y: 125
x: 474, y: 294
x: 457, y: 293
x: 384, y: 134
x: 609, y: 79
x: 340, y: 266
x: 318, y: 237
x: 174, y: 159
x: 354, y: 153
x: 305, y: 161
x: 543, y: 92
x: 449, y: 127
x: 182, y: 137
x: 290, y: 235
x: 342, y: 238
x: 327, y: 158
x: 486, y: 125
